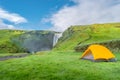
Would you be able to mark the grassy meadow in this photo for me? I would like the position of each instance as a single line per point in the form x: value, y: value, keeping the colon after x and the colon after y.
x: 58, y: 66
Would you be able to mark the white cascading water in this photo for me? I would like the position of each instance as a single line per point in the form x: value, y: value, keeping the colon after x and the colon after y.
x: 56, y: 37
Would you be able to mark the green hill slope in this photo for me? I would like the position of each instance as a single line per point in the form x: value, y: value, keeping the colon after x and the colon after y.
x: 5, y: 40
x: 17, y: 41
x: 88, y: 34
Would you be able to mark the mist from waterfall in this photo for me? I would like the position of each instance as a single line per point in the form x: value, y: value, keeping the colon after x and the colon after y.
x: 56, y: 37
x: 34, y: 41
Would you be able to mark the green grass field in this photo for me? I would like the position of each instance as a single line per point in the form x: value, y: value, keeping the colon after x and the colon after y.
x: 11, y: 54
x: 58, y: 66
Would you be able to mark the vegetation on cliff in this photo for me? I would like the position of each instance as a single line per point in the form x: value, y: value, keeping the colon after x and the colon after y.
x: 79, y: 36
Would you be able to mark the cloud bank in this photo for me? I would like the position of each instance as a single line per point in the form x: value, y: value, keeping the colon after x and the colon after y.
x: 85, y: 12
x: 10, y: 17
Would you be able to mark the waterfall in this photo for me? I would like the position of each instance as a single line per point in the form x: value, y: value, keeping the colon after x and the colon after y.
x: 56, y: 37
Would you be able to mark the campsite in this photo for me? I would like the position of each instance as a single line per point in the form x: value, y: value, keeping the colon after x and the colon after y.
x: 94, y: 53
x: 59, y: 40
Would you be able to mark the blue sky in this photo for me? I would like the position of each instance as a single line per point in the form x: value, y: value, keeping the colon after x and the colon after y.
x: 33, y: 11
x: 56, y: 15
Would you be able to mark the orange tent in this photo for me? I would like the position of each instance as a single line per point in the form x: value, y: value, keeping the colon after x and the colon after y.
x: 98, y: 53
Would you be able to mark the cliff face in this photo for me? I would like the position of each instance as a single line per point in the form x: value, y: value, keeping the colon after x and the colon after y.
x: 26, y: 41
x: 34, y: 41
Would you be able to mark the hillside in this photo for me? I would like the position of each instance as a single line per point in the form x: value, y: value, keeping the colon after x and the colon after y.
x: 6, y: 44
x: 76, y: 37
x: 17, y: 41
x: 33, y: 41
x: 80, y: 36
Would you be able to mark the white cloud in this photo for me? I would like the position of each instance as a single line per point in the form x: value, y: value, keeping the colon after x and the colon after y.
x: 85, y: 12
x: 10, y: 17
x: 5, y: 26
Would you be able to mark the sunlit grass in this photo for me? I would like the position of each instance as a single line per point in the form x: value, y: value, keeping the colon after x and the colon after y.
x: 58, y: 65
x: 98, y: 32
